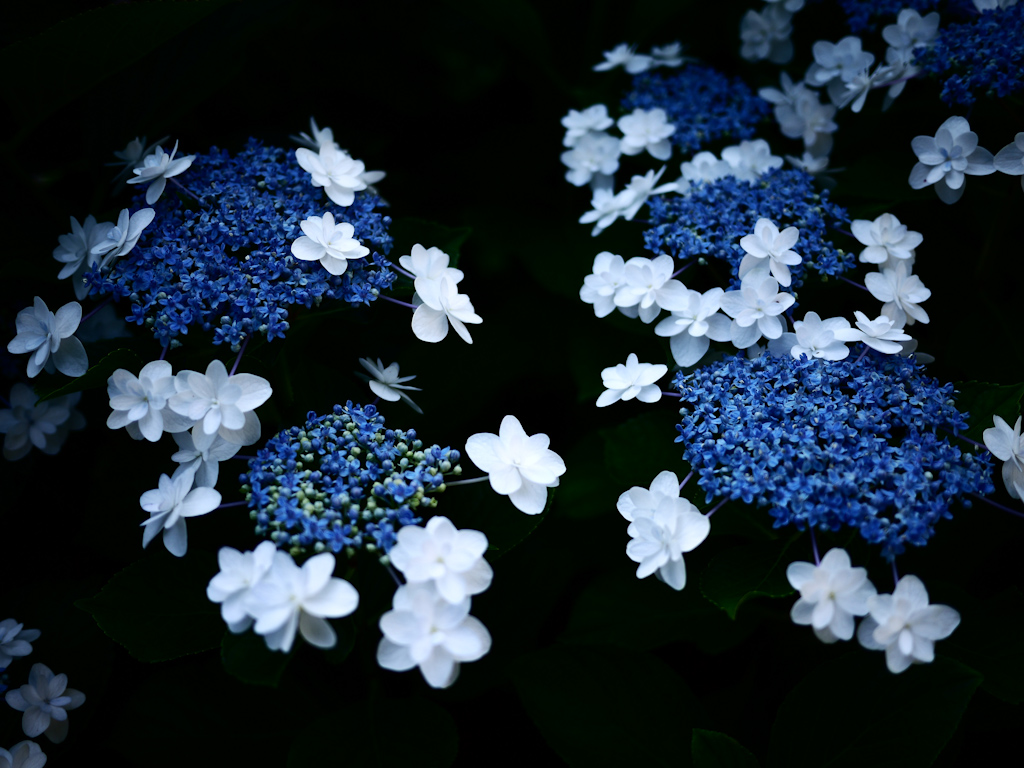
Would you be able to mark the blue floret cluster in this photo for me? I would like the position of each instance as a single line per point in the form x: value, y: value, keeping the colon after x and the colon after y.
x: 223, y: 262
x: 982, y: 56
x: 342, y: 481
x: 831, y: 444
x: 702, y: 103
x: 711, y: 218
x: 869, y: 15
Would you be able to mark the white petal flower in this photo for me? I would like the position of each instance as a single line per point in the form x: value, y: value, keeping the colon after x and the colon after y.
x: 640, y: 188
x: 1008, y: 446
x: 520, y: 466
x: 335, y: 170
x: 901, y: 291
x: 239, y: 573
x: 142, y: 401
x: 607, y: 207
x: 424, y: 630
x: 646, y: 129
x: 693, y: 326
x: 945, y: 159
x: 386, y: 383
x: 820, y: 338
x: 801, y: 114
x: 45, y: 700
x: 755, y: 309
x: 50, y: 338
x: 122, y: 237
x: 207, y: 451
x: 885, y: 239
x: 768, y: 243
x: 881, y: 333
x: 831, y: 594
x: 171, y: 503
x: 643, y: 502
x: 316, y: 138
x: 290, y: 598
x: 439, y: 553
x: 650, y: 288
x: 749, y: 159
x: 634, y: 379
x: 30, y: 423
x: 431, y: 318
x: 765, y: 35
x: 625, y: 56
x: 428, y: 266
x: 911, y: 30
x: 75, y: 251
x: 1010, y: 159
x: 590, y: 120
x: 591, y: 155
x: 659, y: 541
x: 670, y: 55
x: 841, y: 61
x: 221, y: 402
x: 599, y: 288
x: 15, y: 641
x: 24, y: 754
x: 905, y: 625
x: 333, y: 245
x: 808, y: 163
x: 156, y: 168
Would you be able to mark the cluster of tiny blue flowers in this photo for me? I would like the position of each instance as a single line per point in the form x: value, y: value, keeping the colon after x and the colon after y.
x: 343, y: 482
x: 223, y: 262
x: 981, y: 56
x: 831, y: 444
x: 866, y: 15
x: 711, y: 218
x: 702, y: 103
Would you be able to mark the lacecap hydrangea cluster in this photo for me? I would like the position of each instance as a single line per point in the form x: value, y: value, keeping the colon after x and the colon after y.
x: 702, y: 103
x: 863, y: 443
x: 223, y: 263
x: 342, y: 481
x: 983, y: 56
x: 713, y: 216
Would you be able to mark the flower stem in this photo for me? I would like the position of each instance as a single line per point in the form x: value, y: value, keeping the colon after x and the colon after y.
x: 186, y: 190
x: 408, y: 274
x: 394, y: 575
x: 96, y: 309
x: 671, y: 394
x: 861, y: 355
x: 232, y: 504
x: 997, y: 505
x: 854, y: 282
x: 468, y: 482
x: 163, y: 353
x: 814, y: 547
x: 895, y: 573
x: 239, y: 358
x: 715, y: 508
x: 686, y: 480
x: 399, y: 303
x: 681, y: 269
x: 243, y: 457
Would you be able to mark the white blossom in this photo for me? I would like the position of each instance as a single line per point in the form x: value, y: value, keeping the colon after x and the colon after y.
x: 767, y: 243
x: 439, y: 553
x: 694, y: 324
x: 885, y: 239
x: 831, y: 594
x: 333, y: 245
x: 901, y: 291
x: 206, y: 451
x: 818, y: 338
x: 600, y: 286
x: 132, y: 155
x: 222, y: 402
x: 945, y: 159
x: 336, y: 171
x: 140, y: 404
x: 578, y: 124
x: 239, y: 573
x: 591, y: 155
x: 607, y: 207
x: 122, y: 237
x: 428, y: 266
x: 316, y: 138
x: 905, y: 625
x: 646, y: 129
x: 75, y: 251
x: 854, y: 92
x: 809, y: 163
x: 289, y: 599
x: 519, y: 466
x: 703, y: 167
x: 386, y: 383
x: 648, y: 285
x: 659, y: 541
x: 170, y: 503
x: 15, y: 641
x: 755, y: 309
x: 431, y: 318
x: 157, y: 168
x: 45, y: 700
x: 50, y: 338
x: 911, y: 30
x: 625, y: 56
x: 670, y: 55
x: 24, y: 754
x: 424, y: 630
x: 765, y: 35
x: 1010, y: 159
x: 749, y: 159
x: 1008, y: 446
x: 643, y: 502
x: 992, y: 5
x: 881, y: 333
x: 44, y: 425
x: 634, y: 379
x: 836, y: 64
x: 640, y: 188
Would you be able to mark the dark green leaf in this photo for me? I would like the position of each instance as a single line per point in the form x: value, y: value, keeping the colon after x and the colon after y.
x: 747, y: 571
x: 712, y: 749
x: 989, y: 640
x: 505, y: 526
x: 247, y: 657
x: 637, y: 450
x: 409, y: 231
x: 157, y: 608
x: 851, y: 711
x: 98, y: 374
x: 982, y: 401
x: 607, y: 706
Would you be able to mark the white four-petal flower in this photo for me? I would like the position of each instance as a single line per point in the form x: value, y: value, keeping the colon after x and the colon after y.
x: 333, y: 245
x: 336, y: 171
x: 449, y: 558
x: 901, y: 291
x: 659, y: 540
x: 944, y: 159
x: 45, y: 700
x: 50, y: 338
x: 431, y: 319
x: 1007, y: 445
x: 170, y: 503
x: 767, y: 243
x: 386, y: 383
x: 156, y: 168
x: 885, y: 239
x: 15, y: 641
x: 831, y: 594
x: 239, y: 573
x: 634, y: 379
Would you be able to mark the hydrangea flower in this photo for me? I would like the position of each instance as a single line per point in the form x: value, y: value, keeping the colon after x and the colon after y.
x: 643, y: 502
x: 440, y: 554
x: 634, y: 379
x: 428, y: 266
x: 1008, y: 446
x: 140, y: 404
x: 624, y: 56
x: 132, y: 155
x: 600, y: 287
x: 885, y: 239
x: 905, y: 625
x: 50, y: 338
x: 765, y: 35
x: 15, y: 641
x: 45, y: 700
x: 592, y: 156
x: 648, y: 286
x: 344, y: 482
x: 75, y: 251
x: 694, y: 324
x: 239, y: 573
x: 882, y: 333
x: 646, y: 129
x: 424, y: 630
x: 289, y: 599
x: 659, y: 541
x: 335, y: 170
x: 944, y: 159
x: 431, y: 319
x: 519, y: 466
x: 815, y: 337
x: 831, y: 594
x: 865, y: 15
x: 157, y: 168
x: 122, y: 237
x: 901, y: 291
x: 749, y: 159
x: 331, y: 244
x: 24, y: 754
x: 223, y: 402
x: 640, y: 188
x: 837, y: 64
x: 30, y: 423
x: 316, y: 137
x: 205, y: 452
x: 801, y: 115
x: 911, y: 30
x: 607, y: 207
x: 171, y: 503
x: 1010, y: 159
x: 387, y: 384
x: 755, y: 309
x: 768, y: 243
x: 578, y: 124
